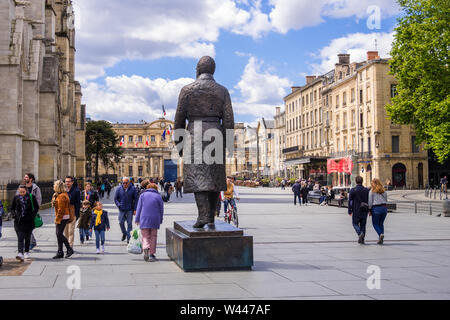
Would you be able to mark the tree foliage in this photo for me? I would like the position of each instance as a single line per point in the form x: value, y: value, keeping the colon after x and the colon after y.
x: 420, y: 65
x: 102, y: 144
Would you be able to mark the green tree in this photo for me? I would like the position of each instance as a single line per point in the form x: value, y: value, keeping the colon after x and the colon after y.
x: 420, y: 65
x: 102, y: 144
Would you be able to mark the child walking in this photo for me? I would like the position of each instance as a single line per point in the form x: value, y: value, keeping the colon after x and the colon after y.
x: 85, y: 220
x: 100, y: 223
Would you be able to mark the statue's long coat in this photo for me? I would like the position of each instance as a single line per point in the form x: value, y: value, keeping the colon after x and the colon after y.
x: 209, y: 102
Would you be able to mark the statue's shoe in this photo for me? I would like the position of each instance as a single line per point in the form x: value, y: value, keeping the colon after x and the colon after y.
x: 200, y: 224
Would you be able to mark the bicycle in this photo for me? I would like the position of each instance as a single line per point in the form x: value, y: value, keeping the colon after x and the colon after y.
x: 231, y: 214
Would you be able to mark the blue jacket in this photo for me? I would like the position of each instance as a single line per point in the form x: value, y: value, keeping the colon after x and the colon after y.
x: 103, y: 225
x: 126, y: 200
x: 357, y: 195
x: 150, y: 210
x: 296, y: 188
x: 74, y: 196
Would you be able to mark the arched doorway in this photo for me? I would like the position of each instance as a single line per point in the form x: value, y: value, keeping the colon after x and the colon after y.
x: 399, y: 175
x: 369, y: 172
x: 420, y: 174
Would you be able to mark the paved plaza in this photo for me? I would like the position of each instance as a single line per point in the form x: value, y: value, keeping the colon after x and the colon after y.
x: 299, y: 253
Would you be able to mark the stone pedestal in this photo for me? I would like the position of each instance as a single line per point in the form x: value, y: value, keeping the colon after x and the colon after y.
x: 223, y: 247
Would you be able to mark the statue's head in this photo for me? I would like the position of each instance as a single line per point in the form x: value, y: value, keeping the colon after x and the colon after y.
x: 206, y: 64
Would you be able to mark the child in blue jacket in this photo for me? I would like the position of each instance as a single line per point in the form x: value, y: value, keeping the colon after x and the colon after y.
x: 100, y: 223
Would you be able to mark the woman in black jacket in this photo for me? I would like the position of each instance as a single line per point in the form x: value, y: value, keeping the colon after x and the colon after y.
x: 24, y: 208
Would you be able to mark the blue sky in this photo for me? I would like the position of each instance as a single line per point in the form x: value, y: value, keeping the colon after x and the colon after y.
x: 133, y: 56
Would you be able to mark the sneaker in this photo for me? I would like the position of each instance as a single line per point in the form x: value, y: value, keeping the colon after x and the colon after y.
x: 98, y: 251
x: 128, y: 241
x: 26, y: 255
x: 380, y: 240
x: 87, y: 238
x: 124, y: 237
x: 82, y: 242
x: 20, y: 257
x: 103, y: 249
x: 146, y: 256
x: 152, y: 257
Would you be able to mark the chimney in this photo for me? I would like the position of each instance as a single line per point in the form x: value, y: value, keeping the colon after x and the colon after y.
x: 295, y: 88
x: 372, y: 55
x: 310, y: 79
x: 344, y: 58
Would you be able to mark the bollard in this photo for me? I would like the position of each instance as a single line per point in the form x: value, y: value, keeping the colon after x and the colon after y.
x: 435, y: 194
x: 415, y: 206
x: 431, y: 210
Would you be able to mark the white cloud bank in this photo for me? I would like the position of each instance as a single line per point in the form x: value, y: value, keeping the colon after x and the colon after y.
x: 109, y: 31
x: 357, y: 45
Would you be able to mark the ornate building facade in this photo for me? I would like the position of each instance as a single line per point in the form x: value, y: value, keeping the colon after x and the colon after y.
x: 337, y: 128
x: 42, y: 123
x: 146, y: 152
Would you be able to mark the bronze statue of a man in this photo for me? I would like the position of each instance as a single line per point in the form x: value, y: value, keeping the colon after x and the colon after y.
x: 207, y: 103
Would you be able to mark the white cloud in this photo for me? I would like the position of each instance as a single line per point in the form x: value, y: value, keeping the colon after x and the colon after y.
x: 288, y: 14
x: 357, y: 45
x: 109, y: 31
x: 130, y: 99
x: 260, y: 90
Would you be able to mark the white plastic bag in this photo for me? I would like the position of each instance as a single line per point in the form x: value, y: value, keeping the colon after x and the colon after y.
x: 135, y: 244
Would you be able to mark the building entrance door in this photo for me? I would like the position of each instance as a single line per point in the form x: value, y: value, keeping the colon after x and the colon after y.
x: 399, y: 175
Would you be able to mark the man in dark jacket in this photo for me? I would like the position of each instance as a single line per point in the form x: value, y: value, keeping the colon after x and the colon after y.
x: 358, y: 209
x: 126, y: 199
x: 296, y: 190
x: 75, y: 204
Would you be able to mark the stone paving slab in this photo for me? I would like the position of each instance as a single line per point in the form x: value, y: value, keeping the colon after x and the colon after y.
x: 360, y: 287
x: 286, y: 289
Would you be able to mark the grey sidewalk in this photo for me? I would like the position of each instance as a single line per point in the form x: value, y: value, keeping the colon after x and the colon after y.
x: 300, y: 253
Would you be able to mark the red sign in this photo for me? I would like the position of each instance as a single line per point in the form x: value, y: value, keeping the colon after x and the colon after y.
x: 341, y: 165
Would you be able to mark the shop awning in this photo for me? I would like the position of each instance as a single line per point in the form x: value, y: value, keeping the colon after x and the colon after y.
x: 304, y: 160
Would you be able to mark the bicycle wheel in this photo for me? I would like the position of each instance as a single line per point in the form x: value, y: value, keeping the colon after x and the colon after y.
x: 235, y: 218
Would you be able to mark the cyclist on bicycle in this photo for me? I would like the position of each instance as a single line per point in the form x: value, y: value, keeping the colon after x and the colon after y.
x: 229, y: 196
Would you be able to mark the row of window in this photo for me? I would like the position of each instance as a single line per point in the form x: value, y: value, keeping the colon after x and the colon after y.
x: 139, y: 138
x: 307, y: 119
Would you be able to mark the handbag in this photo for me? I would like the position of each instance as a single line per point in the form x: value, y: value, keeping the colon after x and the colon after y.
x: 37, y: 220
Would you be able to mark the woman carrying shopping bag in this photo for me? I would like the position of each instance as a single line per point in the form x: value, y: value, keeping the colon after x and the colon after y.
x: 149, y: 217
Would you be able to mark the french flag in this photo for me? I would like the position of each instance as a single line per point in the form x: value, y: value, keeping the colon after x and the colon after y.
x: 169, y: 130
x: 164, y: 135
x: 146, y: 142
x: 164, y: 110
x: 122, y: 142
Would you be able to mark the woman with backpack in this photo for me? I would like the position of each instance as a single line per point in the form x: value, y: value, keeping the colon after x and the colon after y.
x: 24, y: 208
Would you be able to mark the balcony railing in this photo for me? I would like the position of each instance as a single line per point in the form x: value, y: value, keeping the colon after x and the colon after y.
x: 291, y: 149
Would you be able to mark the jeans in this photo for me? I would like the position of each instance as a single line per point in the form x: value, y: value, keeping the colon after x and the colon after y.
x: 128, y: 217
x: 99, y: 235
x: 23, y: 237
x: 84, y: 234
x: 322, y: 199
x: 295, y: 199
x: 359, y: 221
x: 60, y: 235
x: 379, y: 214
x: 226, y: 202
x: 181, y: 193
